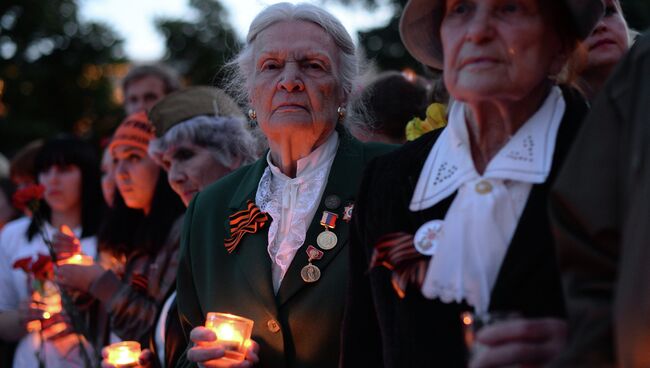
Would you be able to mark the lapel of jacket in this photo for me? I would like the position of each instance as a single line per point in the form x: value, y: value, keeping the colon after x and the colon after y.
x: 251, y: 254
x: 343, y: 182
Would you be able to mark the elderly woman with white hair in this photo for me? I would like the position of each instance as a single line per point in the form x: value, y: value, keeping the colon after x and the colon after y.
x: 269, y: 241
x: 456, y: 222
x: 202, y: 137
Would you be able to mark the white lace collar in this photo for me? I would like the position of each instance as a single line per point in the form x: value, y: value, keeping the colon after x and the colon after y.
x: 292, y: 203
x: 527, y: 157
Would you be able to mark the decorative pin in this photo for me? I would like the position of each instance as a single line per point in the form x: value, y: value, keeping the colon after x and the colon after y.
x: 427, y: 237
x: 327, y: 240
x: 311, y: 273
x: 347, y: 212
x: 332, y: 202
x: 483, y: 187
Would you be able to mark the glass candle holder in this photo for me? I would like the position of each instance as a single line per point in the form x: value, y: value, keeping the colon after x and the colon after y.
x: 78, y: 259
x: 233, y: 333
x: 123, y: 354
x: 473, y: 322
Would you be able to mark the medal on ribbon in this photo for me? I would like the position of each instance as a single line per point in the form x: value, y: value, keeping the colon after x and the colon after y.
x: 311, y: 273
x: 327, y: 240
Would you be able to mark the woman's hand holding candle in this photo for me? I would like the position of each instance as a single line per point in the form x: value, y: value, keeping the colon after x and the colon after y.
x: 527, y: 342
x: 77, y: 276
x: 65, y: 243
x: 209, y: 353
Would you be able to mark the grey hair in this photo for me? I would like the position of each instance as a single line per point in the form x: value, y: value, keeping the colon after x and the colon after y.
x: 243, y: 65
x: 225, y: 137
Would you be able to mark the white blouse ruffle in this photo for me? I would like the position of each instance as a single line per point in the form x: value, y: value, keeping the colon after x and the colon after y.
x: 292, y: 203
x: 483, y: 217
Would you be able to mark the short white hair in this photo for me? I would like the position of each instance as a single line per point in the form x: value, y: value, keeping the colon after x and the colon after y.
x: 225, y: 137
x: 243, y: 65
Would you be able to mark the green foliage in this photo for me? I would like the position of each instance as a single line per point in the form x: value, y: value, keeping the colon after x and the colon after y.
x: 199, y: 49
x: 54, y: 72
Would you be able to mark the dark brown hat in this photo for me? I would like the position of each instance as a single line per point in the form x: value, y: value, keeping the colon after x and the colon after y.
x: 419, y: 26
x: 191, y: 102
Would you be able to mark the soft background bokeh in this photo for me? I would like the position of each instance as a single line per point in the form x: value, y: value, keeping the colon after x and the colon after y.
x: 61, y: 60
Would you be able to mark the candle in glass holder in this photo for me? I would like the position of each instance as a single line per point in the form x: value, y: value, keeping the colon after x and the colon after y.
x: 78, y: 259
x: 233, y: 333
x: 123, y: 354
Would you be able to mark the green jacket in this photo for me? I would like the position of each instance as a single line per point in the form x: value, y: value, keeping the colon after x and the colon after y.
x: 300, y: 326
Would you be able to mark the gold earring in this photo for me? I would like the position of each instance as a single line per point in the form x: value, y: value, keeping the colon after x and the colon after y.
x: 341, y: 112
x: 252, y: 114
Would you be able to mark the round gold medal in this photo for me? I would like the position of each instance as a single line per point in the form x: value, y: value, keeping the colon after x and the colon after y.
x: 310, y: 273
x: 326, y: 240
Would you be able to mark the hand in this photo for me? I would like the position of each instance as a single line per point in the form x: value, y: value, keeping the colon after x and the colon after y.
x: 208, y: 353
x: 29, y: 312
x: 520, y: 342
x: 77, y: 276
x: 145, y: 360
x: 65, y: 244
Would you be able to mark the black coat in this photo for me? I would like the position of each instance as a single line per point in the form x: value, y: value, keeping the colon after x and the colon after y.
x: 381, y: 329
x: 601, y: 208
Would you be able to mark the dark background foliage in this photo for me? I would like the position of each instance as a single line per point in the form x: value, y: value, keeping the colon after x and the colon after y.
x: 59, y: 74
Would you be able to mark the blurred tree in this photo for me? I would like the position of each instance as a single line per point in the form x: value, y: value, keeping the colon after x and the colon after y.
x: 637, y: 13
x: 199, y: 49
x: 54, y: 72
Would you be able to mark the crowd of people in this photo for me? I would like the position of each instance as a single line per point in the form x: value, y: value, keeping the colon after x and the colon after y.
x: 490, y: 213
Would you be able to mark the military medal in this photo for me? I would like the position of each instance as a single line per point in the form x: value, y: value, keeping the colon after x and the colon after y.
x: 428, y: 236
x: 327, y: 240
x: 347, y: 212
x: 311, y: 273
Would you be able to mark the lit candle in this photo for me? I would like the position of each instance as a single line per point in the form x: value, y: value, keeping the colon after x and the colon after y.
x: 233, y: 333
x: 78, y: 259
x: 123, y: 354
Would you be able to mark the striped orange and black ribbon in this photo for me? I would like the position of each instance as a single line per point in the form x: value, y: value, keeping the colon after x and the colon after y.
x: 245, y: 221
x: 396, y: 252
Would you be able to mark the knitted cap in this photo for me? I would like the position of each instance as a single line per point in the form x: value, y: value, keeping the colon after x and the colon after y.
x: 135, y: 130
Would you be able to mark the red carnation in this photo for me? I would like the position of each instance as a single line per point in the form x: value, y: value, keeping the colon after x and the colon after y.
x: 24, y: 264
x: 28, y: 197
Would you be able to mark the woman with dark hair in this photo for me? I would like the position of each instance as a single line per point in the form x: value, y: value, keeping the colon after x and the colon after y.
x: 68, y: 169
x: 138, y: 242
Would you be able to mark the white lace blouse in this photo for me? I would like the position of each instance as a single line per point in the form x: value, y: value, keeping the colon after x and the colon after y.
x: 292, y: 203
x: 471, y: 242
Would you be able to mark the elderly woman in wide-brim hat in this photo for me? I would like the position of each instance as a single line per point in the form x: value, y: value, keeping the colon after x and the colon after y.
x: 456, y: 221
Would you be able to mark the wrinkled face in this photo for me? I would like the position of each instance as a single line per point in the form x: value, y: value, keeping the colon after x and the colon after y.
x: 142, y: 94
x: 497, y: 49
x: 294, y: 88
x: 136, y: 176
x: 108, y: 177
x: 190, y: 168
x: 609, y: 41
x: 62, y: 187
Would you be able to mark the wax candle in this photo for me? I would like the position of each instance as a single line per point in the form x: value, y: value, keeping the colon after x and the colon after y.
x: 233, y: 333
x: 123, y: 354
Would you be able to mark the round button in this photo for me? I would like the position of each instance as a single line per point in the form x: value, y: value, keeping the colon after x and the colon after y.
x: 273, y: 325
x: 483, y: 187
x: 332, y: 202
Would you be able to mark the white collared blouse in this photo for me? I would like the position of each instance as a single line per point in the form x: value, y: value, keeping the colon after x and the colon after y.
x: 472, y: 239
x: 292, y: 203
